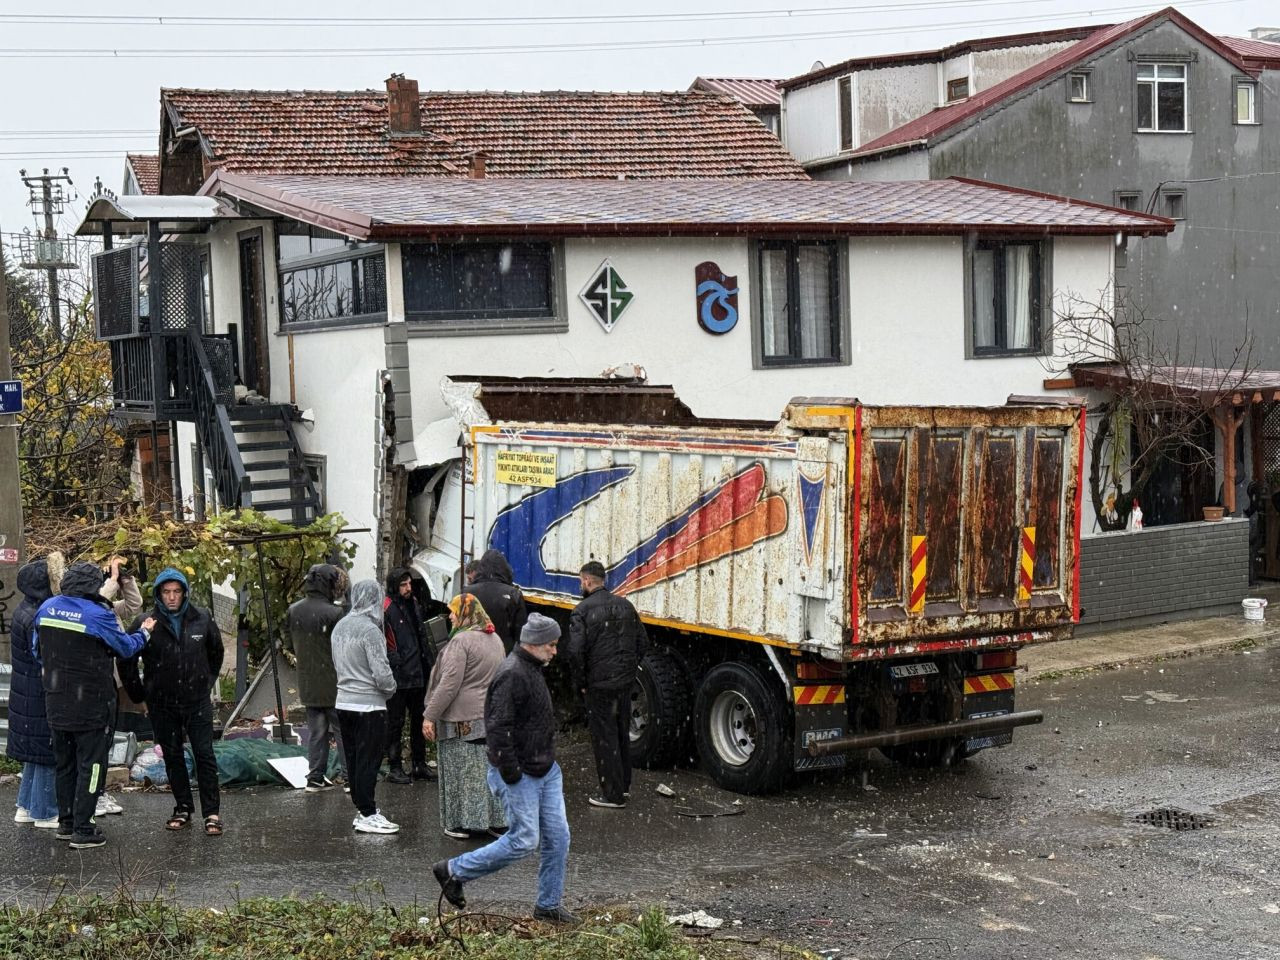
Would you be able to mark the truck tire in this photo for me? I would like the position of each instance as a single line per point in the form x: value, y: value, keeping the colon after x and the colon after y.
x: 743, y: 728
x: 661, y: 704
x: 927, y: 754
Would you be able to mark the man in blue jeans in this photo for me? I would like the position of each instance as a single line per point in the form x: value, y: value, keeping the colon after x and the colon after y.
x: 520, y: 728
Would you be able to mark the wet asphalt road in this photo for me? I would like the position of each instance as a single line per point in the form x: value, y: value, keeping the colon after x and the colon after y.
x: 1018, y: 852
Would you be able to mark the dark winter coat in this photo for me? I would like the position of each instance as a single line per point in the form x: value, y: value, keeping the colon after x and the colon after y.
x: 29, y: 738
x: 311, y: 623
x: 404, y: 620
x: 181, y: 663
x: 606, y: 642
x: 77, y: 639
x: 519, y: 721
x: 500, y: 597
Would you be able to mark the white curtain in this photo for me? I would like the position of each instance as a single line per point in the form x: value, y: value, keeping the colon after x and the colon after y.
x: 815, y: 303
x: 984, y: 296
x: 1017, y: 296
x: 773, y: 302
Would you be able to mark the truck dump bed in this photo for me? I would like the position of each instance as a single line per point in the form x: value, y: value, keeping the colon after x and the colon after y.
x: 843, y: 530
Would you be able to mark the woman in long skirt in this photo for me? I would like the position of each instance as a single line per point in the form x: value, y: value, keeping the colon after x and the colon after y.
x: 454, y: 715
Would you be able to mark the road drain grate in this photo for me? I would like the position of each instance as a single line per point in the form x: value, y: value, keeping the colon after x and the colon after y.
x: 1172, y: 819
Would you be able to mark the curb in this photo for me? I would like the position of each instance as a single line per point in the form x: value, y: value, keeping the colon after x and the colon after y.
x: 1058, y: 667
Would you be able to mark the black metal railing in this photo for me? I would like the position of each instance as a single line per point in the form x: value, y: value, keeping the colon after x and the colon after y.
x: 132, y: 379
x: 213, y: 425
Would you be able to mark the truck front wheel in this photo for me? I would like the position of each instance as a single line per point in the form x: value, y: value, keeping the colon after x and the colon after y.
x: 742, y: 727
x: 661, y: 701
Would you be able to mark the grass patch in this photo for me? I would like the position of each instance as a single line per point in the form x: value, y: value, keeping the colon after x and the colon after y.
x: 116, y: 926
x: 10, y: 765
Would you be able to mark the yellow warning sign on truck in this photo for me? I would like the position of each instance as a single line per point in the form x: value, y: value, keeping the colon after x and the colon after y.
x: 526, y: 468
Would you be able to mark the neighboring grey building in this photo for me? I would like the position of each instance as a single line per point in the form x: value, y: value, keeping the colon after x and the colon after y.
x: 1153, y: 114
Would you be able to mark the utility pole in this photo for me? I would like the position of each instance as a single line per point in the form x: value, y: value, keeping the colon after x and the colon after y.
x: 11, y: 526
x: 48, y: 199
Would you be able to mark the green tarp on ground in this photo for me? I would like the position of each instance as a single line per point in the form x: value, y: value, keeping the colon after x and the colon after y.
x: 243, y: 762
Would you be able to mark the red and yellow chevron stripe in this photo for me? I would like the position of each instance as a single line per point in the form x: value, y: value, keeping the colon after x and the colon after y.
x: 919, y: 574
x: 1026, y: 566
x: 819, y: 694
x: 988, y: 683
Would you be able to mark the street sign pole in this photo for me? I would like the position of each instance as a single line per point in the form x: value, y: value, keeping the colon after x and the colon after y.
x: 11, y: 543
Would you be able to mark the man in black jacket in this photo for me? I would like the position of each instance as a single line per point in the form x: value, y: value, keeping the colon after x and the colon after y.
x: 179, y: 668
x: 311, y: 621
x: 500, y: 597
x: 520, y: 731
x: 410, y: 654
x: 606, y: 642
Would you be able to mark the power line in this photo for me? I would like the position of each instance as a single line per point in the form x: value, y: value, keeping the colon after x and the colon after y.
x: 140, y: 53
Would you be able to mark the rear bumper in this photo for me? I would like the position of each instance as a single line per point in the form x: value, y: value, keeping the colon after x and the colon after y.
x: 937, y: 731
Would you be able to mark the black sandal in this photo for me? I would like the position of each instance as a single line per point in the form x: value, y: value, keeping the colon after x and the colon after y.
x: 213, y: 825
x: 178, y: 820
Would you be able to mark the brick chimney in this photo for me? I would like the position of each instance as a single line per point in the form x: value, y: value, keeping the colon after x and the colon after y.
x: 475, y: 164
x: 404, y: 111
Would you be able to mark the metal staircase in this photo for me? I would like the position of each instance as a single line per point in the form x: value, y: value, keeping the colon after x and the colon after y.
x: 279, y: 482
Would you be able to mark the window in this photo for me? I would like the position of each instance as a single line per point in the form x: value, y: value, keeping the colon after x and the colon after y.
x: 799, y: 302
x: 1162, y: 97
x: 464, y: 284
x: 957, y: 89
x: 1246, y: 101
x: 340, y: 287
x: 1129, y: 199
x: 1078, y: 90
x: 1174, y: 204
x: 846, y: 113
x: 1007, y: 281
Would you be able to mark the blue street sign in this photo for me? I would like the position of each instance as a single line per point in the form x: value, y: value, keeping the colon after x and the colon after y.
x: 10, y: 396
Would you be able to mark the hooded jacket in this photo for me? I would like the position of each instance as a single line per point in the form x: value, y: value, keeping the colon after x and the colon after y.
x: 360, y: 651
x: 606, y: 642
x: 29, y: 738
x: 500, y: 597
x: 404, y: 621
x: 181, y: 663
x: 311, y: 623
x: 76, y: 642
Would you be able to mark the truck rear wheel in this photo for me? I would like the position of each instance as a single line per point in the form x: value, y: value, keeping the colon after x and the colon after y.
x: 743, y: 730
x: 661, y: 703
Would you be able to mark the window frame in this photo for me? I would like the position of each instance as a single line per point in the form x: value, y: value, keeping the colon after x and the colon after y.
x: 1165, y: 196
x: 952, y: 98
x: 1156, y: 62
x: 1118, y: 197
x: 1043, y: 291
x: 844, y: 108
x: 838, y: 292
x: 1087, y: 77
x: 1255, y: 101
x: 351, y: 253
x: 480, y: 325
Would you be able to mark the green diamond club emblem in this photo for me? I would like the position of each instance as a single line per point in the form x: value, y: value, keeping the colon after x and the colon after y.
x: 606, y: 295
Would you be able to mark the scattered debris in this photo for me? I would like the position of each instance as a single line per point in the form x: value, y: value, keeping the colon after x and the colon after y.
x: 663, y: 789
x: 1271, y: 908
x: 699, y: 919
x: 711, y: 810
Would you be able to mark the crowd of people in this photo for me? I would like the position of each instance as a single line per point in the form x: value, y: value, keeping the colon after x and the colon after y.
x: 370, y: 657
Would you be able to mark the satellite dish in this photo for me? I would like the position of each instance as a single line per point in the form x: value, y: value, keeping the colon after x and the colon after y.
x: 817, y: 65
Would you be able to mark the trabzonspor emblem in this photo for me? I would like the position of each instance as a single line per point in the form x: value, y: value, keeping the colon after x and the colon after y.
x: 717, y: 298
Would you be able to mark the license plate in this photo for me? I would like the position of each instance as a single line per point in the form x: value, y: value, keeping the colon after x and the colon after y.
x: 913, y: 670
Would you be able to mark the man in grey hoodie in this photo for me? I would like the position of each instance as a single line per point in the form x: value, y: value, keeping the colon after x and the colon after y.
x: 365, y: 682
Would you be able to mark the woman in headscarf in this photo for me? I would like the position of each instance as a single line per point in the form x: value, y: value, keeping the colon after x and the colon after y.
x: 365, y: 682
x: 455, y: 720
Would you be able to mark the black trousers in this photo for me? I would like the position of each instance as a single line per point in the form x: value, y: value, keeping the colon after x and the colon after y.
x: 80, y: 768
x: 364, y: 738
x: 409, y: 702
x: 173, y: 723
x: 609, y: 720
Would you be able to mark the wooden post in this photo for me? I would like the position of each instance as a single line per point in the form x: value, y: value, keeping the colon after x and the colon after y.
x: 1227, y: 421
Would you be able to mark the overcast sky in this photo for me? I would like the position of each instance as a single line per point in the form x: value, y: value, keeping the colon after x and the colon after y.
x: 71, y: 106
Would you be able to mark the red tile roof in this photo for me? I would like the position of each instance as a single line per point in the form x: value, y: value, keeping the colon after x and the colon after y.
x: 391, y: 207
x: 146, y: 170
x: 746, y: 90
x: 942, y: 53
x: 925, y: 128
x: 594, y: 135
x: 1256, y: 52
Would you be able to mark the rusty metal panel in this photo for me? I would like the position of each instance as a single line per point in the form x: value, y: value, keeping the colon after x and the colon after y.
x: 997, y: 505
x: 1047, y: 510
x: 942, y: 461
x: 883, y: 556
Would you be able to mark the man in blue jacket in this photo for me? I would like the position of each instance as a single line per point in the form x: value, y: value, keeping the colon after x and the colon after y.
x: 76, y: 639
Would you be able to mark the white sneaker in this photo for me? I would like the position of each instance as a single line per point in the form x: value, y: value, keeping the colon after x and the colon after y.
x: 22, y: 816
x: 50, y: 824
x: 376, y: 823
x: 106, y: 806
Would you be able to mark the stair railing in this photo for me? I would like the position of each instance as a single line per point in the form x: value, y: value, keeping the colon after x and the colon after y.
x: 213, y: 424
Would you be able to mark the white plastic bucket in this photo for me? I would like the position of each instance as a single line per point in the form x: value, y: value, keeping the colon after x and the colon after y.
x: 1254, y: 608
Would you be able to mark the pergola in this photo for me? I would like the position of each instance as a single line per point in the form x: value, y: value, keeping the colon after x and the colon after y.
x: 1226, y: 394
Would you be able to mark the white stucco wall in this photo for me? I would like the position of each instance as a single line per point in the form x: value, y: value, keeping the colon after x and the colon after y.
x: 811, y: 121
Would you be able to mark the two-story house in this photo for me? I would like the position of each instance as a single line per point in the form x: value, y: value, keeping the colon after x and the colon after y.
x: 317, y: 264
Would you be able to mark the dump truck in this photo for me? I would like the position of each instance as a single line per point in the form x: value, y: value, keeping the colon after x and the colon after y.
x: 848, y: 577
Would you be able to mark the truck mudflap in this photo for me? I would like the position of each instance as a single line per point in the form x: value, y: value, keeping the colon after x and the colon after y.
x: 973, y: 728
x: 821, y: 714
